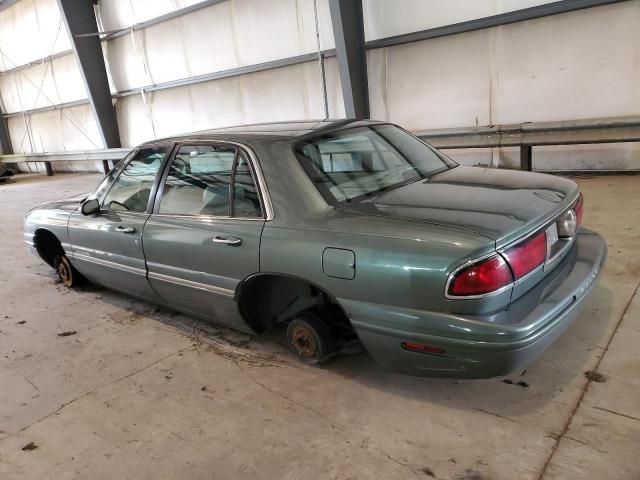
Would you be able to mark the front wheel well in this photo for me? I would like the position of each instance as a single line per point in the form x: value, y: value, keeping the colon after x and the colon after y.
x: 47, y: 245
x: 267, y: 300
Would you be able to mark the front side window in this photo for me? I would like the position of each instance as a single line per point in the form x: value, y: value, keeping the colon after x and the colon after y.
x: 131, y: 190
x: 209, y: 180
x: 359, y: 162
x: 105, y: 184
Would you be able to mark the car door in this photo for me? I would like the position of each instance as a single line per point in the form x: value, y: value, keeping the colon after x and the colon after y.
x: 107, y: 247
x: 203, y: 236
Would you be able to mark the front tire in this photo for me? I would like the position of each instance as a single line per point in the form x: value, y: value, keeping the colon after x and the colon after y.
x: 309, y: 337
x: 68, y: 275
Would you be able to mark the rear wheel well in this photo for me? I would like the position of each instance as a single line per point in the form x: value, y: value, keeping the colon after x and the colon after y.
x: 47, y: 245
x: 270, y: 299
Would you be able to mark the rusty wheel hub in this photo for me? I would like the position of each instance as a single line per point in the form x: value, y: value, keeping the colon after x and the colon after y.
x: 304, y: 342
x: 64, y: 272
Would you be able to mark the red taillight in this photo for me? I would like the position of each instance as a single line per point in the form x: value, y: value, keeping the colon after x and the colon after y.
x: 420, y: 348
x: 528, y: 255
x: 579, y: 209
x: 483, y: 277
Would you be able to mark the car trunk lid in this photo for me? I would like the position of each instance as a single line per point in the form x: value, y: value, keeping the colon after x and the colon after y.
x: 501, y: 204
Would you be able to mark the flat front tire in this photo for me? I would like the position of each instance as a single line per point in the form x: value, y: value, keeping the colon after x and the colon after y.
x: 310, y: 339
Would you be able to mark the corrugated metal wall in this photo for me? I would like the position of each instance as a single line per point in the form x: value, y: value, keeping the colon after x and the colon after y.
x: 583, y: 64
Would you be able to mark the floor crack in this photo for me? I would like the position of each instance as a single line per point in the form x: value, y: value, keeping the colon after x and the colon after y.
x: 396, y: 461
x: 617, y: 413
x: 567, y: 424
x: 29, y: 382
x: 323, y: 417
x: 86, y: 394
x: 586, y: 444
x: 281, y: 395
x: 494, y: 414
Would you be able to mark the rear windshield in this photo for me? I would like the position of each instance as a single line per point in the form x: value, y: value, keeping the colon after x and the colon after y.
x: 350, y: 164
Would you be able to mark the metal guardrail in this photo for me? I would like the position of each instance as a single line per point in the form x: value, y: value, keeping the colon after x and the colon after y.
x: 105, y: 156
x: 528, y: 135
x: 523, y: 135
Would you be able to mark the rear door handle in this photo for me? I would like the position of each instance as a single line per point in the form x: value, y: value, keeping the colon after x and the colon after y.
x: 122, y: 229
x: 233, y: 242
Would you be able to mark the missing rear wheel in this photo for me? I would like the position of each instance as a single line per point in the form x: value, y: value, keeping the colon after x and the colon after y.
x: 310, y: 339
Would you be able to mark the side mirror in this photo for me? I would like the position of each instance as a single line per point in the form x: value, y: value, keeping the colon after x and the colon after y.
x: 90, y: 207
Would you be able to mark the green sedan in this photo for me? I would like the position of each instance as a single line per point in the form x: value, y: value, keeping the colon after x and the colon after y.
x: 341, y: 231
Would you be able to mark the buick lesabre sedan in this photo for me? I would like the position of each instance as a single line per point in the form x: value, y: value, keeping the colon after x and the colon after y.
x: 340, y: 230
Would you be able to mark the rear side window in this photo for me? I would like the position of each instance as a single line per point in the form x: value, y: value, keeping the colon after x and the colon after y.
x: 209, y: 180
x: 355, y: 163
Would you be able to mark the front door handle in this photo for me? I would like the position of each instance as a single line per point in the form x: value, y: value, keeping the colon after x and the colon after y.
x: 233, y: 242
x: 122, y: 229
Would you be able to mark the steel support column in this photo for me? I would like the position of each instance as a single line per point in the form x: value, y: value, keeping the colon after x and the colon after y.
x: 526, y: 158
x: 348, y: 32
x: 80, y: 19
x: 5, y: 140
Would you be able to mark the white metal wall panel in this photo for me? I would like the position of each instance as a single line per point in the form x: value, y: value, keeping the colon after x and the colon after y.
x: 69, y: 84
x: 18, y: 93
x: 569, y: 66
x: 306, y: 21
x: 444, y: 82
x: 30, y: 30
x: 66, y: 129
x: 79, y: 128
x: 166, y: 55
x: 580, y: 65
x: 116, y: 14
x: 334, y: 90
x: 48, y: 132
x: 289, y: 26
x: 207, y: 41
x: 217, y: 104
x: 286, y: 93
x: 134, y: 120
x: 172, y: 111
x: 385, y: 18
x: 41, y: 85
x: 125, y: 62
x: 227, y: 35
x: 18, y: 134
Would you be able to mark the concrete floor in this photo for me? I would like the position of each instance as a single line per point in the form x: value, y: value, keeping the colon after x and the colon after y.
x: 142, y: 393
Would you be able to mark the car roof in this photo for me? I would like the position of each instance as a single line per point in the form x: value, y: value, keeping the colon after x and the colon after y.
x: 262, y: 131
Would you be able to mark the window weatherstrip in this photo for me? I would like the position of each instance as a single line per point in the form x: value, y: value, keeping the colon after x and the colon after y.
x: 232, y: 185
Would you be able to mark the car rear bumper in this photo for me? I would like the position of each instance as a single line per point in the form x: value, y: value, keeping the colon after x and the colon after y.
x: 531, y: 325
